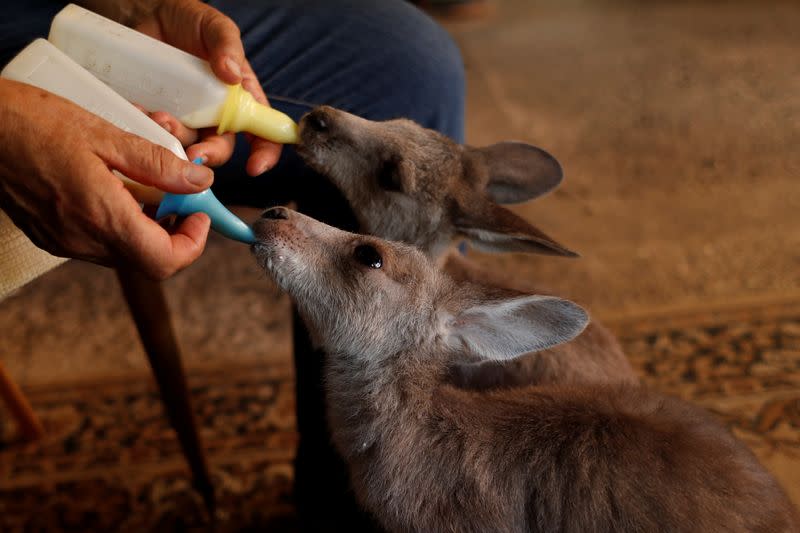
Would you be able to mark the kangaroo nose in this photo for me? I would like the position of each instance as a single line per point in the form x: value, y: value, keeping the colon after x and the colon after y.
x: 276, y: 213
x: 317, y: 120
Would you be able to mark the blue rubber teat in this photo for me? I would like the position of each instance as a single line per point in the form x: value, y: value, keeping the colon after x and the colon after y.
x: 222, y: 220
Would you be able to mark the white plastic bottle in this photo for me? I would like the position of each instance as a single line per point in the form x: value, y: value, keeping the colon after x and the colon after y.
x: 160, y: 77
x: 43, y: 65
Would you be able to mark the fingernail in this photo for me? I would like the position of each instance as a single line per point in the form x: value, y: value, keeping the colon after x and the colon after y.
x: 263, y: 167
x: 198, y: 174
x: 200, y: 160
x: 233, y: 66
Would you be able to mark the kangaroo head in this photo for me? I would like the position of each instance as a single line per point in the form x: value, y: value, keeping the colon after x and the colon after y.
x: 411, y: 184
x: 372, y: 299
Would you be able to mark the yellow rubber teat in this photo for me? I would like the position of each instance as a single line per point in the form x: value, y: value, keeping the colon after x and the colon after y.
x: 241, y: 112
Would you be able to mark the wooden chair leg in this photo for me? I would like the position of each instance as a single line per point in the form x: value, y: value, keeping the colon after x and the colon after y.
x: 149, y: 309
x: 28, y: 423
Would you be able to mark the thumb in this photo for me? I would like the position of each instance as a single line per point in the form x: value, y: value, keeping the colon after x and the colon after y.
x: 223, y: 43
x: 154, y: 165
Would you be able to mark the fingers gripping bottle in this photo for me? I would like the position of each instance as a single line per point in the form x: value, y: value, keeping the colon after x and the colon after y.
x: 42, y: 65
x: 160, y: 77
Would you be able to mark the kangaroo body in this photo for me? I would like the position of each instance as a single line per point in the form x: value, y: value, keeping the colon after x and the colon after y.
x: 426, y: 454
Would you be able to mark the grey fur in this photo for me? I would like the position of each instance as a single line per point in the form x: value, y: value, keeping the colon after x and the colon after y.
x: 425, y: 455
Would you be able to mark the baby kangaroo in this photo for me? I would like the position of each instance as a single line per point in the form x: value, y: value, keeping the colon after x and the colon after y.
x: 409, y: 184
x: 425, y: 455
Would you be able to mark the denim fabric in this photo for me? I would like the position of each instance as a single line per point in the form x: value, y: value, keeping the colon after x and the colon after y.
x: 379, y: 60
x: 22, y: 22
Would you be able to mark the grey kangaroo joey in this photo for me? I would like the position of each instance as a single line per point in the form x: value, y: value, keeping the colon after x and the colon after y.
x: 410, y: 184
x: 427, y: 455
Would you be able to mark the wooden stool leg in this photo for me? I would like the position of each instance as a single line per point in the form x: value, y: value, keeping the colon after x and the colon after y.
x: 149, y: 309
x: 27, y: 422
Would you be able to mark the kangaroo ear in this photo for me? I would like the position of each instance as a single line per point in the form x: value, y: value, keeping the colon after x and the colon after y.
x: 504, y: 329
x: 493, y: 228
x: 519, y: 172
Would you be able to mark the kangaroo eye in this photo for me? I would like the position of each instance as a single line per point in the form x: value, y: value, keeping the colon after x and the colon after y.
x: 389, y: 176
x: 368, y: 256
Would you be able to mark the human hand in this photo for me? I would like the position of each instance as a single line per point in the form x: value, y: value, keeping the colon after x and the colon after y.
x: 201, y: 30
x: 57, y: 186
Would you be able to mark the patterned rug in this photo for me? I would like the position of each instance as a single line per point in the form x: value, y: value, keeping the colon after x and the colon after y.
x: 111, y: 463
x: 742, y: 362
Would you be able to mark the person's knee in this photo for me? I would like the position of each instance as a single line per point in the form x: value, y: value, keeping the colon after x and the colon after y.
x: 440, y: 83
x: 380, y: 60
x: 424, y: 74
